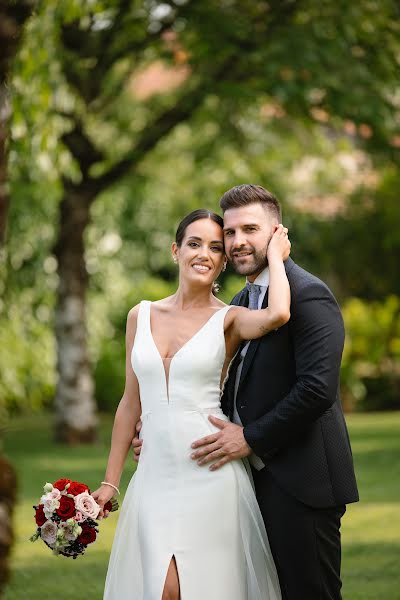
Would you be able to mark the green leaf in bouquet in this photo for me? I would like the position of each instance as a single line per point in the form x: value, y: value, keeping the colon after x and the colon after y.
x: 114, y: 504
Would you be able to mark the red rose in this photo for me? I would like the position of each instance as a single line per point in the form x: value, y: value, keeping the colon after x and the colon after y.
x: 66, y: 510
x: 88, y: 535
x: 39, y: 515
x: 61, y: 483
x: 77, y: 488
x: 108, y: 506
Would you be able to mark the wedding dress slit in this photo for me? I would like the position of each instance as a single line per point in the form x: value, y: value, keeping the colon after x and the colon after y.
x: 166, y: 589
x: 173, y: 508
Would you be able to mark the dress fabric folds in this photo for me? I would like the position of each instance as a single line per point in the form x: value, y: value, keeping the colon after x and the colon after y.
x: 209, y: 521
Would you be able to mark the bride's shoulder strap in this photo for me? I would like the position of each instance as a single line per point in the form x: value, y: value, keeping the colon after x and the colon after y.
x: 223, y: 312
x: 143, y: 314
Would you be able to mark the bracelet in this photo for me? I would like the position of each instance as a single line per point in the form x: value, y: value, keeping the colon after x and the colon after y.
x: 111, y: 485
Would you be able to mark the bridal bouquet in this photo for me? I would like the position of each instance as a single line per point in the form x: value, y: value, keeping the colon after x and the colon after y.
x: 65, y: 517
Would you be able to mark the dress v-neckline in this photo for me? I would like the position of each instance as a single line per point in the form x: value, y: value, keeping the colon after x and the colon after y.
x: 171, y: 358
x: 187, y: 341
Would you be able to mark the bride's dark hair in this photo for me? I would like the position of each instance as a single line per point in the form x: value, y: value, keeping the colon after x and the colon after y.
x: 196, y: 215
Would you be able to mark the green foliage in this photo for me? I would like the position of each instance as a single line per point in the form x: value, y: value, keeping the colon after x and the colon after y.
x: 27, y: 369
x: 371, y: 361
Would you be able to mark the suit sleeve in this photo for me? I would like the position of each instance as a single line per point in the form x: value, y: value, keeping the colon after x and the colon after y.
x: 317, y: 333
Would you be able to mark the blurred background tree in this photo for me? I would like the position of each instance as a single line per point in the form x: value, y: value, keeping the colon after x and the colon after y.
x: 12, y: 18
x: 129, y: 114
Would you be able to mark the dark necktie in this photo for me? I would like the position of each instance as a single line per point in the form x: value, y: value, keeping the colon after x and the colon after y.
x: 254, y: 294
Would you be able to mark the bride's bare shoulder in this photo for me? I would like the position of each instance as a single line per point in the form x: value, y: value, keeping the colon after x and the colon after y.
x: 133, y: 313
x: 131, y: 321
x: 157, y: 304
x: 164, y: 305
x: 232, y: 315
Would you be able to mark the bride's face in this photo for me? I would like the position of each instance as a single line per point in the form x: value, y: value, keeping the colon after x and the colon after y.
x: 201, y: 254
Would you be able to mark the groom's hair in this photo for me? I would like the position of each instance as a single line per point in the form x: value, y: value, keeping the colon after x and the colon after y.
x: 248, y: 193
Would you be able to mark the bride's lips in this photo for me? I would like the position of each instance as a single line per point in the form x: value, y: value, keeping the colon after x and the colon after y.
x: 199, y: 268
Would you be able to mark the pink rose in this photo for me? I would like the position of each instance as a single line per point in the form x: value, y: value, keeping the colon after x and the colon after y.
x: 79, y: 517
x: 87, y: 505
x: 48, y: 532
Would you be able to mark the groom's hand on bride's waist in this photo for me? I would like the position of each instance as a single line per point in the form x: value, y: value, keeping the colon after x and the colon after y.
x: 137, y: 442
x: 227, y: 444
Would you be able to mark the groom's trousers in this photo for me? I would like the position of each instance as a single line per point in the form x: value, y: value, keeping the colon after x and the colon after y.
x: 305, y: 542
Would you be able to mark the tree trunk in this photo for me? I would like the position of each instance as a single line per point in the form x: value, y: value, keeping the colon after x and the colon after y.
x: 74, y: 402
x: 8, y: 487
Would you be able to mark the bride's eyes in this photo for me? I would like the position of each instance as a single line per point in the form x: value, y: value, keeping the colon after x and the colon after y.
x: 213, y: 248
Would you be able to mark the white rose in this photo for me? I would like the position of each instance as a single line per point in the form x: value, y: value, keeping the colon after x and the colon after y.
x: 50, y: 504
x: 70, y: 530
x: 48, y: 532
x: 87, y: 505
x: 53, y: 495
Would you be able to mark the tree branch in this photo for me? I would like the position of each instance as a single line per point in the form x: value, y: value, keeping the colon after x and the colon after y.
x: 163, y: 125
x: 81, y: 147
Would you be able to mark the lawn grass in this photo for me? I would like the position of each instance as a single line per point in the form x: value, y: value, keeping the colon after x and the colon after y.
x: 371, y: 528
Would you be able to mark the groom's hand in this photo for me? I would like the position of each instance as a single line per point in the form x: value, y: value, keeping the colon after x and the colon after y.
x: 137, y: 442
x: 225, y: 445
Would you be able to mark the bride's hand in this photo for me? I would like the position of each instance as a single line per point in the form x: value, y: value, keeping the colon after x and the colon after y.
x: 279, y: 245
x: 102, y: 495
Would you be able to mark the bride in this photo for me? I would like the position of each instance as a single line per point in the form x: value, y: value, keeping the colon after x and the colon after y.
x: 186, y: 531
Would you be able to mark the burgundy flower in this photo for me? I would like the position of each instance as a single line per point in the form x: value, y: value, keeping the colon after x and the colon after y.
x: 88, y: 535
x: 66, y: 510
x: 39, y: 515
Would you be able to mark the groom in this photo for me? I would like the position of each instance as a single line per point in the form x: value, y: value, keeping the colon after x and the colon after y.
x: 282, y: 395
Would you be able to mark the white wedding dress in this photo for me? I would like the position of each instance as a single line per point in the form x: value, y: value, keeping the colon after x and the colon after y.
x: 209, y: 521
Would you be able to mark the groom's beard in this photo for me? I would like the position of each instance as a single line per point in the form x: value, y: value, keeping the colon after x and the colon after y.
x: 255, y: 261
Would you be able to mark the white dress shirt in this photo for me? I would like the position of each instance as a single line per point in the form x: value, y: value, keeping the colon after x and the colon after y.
x: 263, y: 281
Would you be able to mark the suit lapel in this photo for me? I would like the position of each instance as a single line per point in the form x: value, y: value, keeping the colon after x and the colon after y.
x: 243, y: 298
x: 252, y: 348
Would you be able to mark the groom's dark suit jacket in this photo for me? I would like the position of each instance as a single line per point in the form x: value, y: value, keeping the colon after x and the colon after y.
x: 288, y: 396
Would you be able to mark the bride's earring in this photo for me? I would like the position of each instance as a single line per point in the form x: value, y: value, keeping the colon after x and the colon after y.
x: 175, y: 259
x: 224, y: 267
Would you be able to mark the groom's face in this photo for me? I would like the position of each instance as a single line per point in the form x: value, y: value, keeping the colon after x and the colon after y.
x: 247, y: 233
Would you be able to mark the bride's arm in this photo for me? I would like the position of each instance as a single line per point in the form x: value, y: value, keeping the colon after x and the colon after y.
x: 126, y: 417
x: 250, y: 324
